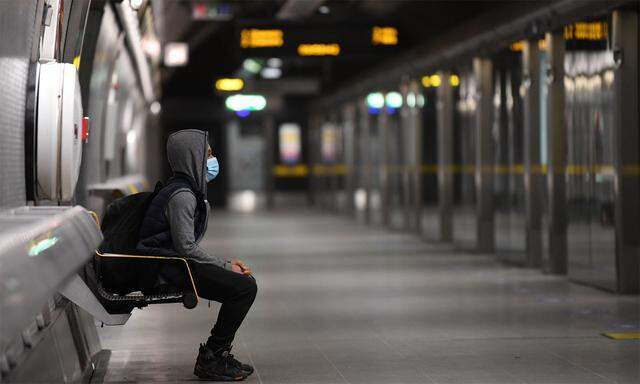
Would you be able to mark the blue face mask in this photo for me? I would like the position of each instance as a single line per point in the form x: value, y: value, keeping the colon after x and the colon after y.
x: 212, y: 168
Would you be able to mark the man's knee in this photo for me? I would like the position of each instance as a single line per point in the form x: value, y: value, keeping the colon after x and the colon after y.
x: 252, y: 287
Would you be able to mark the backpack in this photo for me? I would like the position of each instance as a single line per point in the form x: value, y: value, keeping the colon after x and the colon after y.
x: 120, y: 229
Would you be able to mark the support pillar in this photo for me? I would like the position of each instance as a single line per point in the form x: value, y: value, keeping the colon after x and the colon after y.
x: 485, y: 226
x: 349, y: 151
x: 385, y: 179
x: 406, y: 158
x: 533, y: 176
x: 627, y: 145
x: 416, y: 118
x: 269, y: 143
x: 444, y: 108
x: 365, y: 150
x: 557, y: 137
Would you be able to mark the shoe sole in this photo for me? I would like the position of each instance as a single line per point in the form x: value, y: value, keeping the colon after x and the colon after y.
x: 213, y: 377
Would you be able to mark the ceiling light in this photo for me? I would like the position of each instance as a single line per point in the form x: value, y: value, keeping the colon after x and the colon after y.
x: 229, y: 84
x: 324, y: 10
x: 393, y: 100
x: 176, y: 54
x: 275, y: 62
x: 375, y: 100
x: 252, y: 65
x: 454, y: 80
x: 155, y: 107
x: 246, y: 102
x: 271, y: 73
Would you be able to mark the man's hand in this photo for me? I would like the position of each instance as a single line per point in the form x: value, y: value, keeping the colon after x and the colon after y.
x: 239, y: 266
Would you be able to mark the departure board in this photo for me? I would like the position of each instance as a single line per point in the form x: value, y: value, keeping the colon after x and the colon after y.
x: 316, y: 40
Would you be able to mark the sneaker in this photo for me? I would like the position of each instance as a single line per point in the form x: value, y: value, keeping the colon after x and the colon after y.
x: 218, y: 366
x: 246, y: 368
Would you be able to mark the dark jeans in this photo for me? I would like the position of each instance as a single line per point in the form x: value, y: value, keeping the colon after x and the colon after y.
x: 234, y: 291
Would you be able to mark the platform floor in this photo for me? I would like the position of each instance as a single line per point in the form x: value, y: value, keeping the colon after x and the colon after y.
x: 342, y: 303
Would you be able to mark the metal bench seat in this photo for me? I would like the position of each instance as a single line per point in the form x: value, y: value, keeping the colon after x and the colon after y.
x: 115, y: 303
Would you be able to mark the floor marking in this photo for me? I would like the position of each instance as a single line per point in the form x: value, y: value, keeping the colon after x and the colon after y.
x: 628, y: 335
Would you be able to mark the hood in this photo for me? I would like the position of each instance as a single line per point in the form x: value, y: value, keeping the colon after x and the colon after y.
x: 187, y: 155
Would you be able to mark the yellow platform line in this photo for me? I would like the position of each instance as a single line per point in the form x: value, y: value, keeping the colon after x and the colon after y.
x: 629, y: 335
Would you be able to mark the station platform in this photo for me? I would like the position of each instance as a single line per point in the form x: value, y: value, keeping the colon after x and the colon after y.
x: 340, y: 302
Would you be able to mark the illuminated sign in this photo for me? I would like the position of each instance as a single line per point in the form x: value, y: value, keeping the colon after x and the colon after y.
x: 261, y: 38
x: 290, y: 143
x: 207, y: 11
x: 329, y: 142
x: 592, y: 31
x: 241, y: 102
x: 229, y: 84
x: 319, y: 49
x: 518, y: 46
x: 267, y: 40
x: 384, y: 36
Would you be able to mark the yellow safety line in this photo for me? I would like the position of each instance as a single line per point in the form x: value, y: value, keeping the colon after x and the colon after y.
x: 631, y: 335
x: 518, y: 169
x: 122, y: 256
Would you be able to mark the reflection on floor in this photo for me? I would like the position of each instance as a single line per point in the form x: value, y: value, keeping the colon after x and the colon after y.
x: 339, y: 302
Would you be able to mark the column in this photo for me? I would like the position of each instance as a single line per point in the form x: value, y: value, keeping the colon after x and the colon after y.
x: 385, y: 179
x: 444, y: 108
x: 533, y: 176
x: 269, y: 144
x: 349, y: 151
x: 627, y: 142
x: 416, y: 118
x: 485, y: 226
x: 365, y: 150
x: 557, y: 137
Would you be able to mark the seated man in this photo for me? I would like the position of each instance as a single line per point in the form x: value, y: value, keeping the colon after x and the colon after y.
x: 174, y: 224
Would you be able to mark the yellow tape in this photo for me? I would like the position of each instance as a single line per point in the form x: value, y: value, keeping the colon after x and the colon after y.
x: 517, y: 169
x: 630, y: 335
x: 300, y: 170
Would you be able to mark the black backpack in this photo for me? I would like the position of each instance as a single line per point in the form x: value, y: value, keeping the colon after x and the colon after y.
x: 121, y: 228
x: 122, y: 221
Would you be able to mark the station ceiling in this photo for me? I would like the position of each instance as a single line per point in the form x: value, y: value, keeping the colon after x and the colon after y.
x: 215, y: 50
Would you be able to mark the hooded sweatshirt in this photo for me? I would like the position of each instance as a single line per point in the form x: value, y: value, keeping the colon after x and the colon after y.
x: 180, y: 209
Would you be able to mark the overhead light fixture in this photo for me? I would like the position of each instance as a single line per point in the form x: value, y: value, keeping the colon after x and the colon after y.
x: 242, y: 102
x: 151, y: 47
x: 393, y: 100
x: 155, y: 108
x: 251, y: 65
x: 275, y: 62
x: 229, y: 85
x: 431, y: 81
x: 271, y: 73
x: 176, y: 54
x: 454, y: 80
x: 324, y: 10
x: 411, y: 99
x: 375, y: 100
